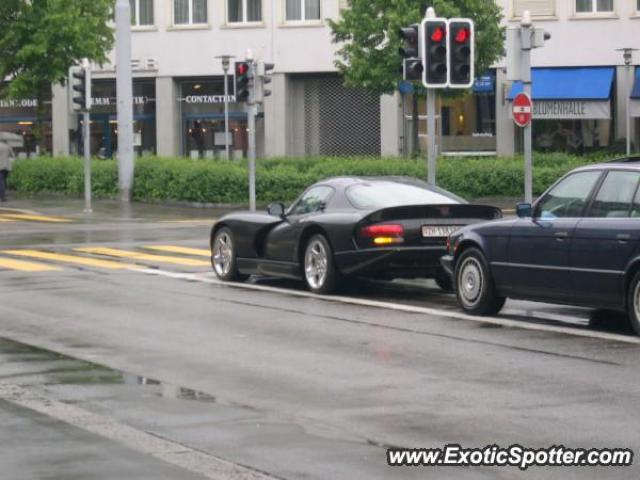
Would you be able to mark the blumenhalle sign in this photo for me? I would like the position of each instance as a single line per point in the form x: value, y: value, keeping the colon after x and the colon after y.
x: 571, y: 110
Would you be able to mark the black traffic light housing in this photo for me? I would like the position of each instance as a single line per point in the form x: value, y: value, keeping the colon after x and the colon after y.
x: 434, y: 53
x: 412, y: 64
x: 80, y: 91
x: 243, y: 77
x: 266, y: 70
x: 461, y: 53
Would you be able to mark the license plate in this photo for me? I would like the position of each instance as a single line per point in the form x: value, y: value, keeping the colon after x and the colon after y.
x: 429, y: 231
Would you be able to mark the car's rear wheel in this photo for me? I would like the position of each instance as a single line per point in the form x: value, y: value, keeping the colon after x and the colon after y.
x: 443, y: 280
x: 475, y: 288
x: 320, y: 271
x: 223, y: 256
x: 633, y: 303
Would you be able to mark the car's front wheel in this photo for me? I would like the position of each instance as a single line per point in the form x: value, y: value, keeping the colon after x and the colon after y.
x: 633, y: 303
x: 475, y: 289
x: 223, y: 256
x: 320, y: 271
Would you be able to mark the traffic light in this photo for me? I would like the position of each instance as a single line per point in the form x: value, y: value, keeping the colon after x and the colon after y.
x: 461, y: 47
x: 243, y: 81
x: 434, y: 53
x: 80, y: 88
x: 265, y: 70
x: 412, y: 64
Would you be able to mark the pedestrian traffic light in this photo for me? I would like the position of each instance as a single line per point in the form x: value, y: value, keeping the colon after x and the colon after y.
x: 461, y: 47
x: 80, y: 88
x: 243, y: 80
x: 434, y: 53
x: 411, y: 64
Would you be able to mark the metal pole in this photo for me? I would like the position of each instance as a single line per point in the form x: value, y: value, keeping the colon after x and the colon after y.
x: 525, y: 32
x: 86, y: 137
x: 252, y: 156
x: 431, y: 129
x: 225, y: 66
x: 251, y: 127
x: 628, y: 100
x: 124, y: 85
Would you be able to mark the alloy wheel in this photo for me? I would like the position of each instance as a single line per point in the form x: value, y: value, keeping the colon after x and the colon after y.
x: 316, y: 264
x: 223, y: 254
x: 470, y: 282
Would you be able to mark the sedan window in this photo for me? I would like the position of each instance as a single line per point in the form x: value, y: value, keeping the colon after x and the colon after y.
x: 615, y: 195
x: 567, y: 198
x: 312, y: 200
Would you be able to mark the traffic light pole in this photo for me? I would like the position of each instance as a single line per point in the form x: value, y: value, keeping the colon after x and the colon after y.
x: 86, y: 137
x: 525, y: 36
x: 432, y: 151
x: 251, y: 127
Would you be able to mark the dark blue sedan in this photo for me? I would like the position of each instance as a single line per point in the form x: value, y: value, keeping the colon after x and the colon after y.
x: 579, y: 244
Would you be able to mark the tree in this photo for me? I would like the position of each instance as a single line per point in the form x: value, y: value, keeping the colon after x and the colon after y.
x: 368, y: 32
x: 41, y: 39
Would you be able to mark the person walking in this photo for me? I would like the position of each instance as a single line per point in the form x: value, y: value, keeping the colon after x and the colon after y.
x: 6, y: 159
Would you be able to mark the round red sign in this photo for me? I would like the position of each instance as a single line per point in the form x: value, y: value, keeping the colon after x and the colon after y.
x: 522, y: 109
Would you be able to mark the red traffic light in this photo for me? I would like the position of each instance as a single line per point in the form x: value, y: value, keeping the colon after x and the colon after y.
x: 242, y: 68
x: 462, y: 35
x: 438, y: 34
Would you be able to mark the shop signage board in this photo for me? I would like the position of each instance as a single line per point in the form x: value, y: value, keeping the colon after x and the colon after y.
x: 522, y: 109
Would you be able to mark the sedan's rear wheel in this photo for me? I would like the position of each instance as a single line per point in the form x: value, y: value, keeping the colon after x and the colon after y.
x: 633, y: 303
x: 475, y: 289
x: 223, y: 256
x: 319, y: 267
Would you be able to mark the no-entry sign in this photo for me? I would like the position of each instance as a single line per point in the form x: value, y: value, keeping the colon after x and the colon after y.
x: 522, y: 109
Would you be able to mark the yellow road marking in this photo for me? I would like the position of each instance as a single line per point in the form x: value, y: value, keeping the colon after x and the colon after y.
x: 6, y: 220
x: 113, y: 252
x: 25, y: 266
x: 33, y: 218
x: 198, y: 252
x: 203, y: 221
x: 89, y: 262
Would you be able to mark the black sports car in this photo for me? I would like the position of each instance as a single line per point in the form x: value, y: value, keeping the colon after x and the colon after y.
x: 384, y: 227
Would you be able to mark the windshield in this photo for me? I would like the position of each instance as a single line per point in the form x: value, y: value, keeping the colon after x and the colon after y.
x: 368, y: 196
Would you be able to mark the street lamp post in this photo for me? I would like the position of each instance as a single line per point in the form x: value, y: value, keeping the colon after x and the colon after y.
x: 627, y: 55
x: 225, y: 67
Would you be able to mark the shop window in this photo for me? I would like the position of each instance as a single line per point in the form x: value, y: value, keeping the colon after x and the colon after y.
x: 537, y: 8
x: 244, y: 11
x: 302, y: 10
x: 189, y: 12
x: 594, y: 6
x: 142, y: 13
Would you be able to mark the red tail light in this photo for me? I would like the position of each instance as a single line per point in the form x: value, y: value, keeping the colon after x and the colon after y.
x: 384, y: 234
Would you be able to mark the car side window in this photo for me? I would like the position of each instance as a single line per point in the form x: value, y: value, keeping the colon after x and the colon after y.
x: 616, y: 193
x: 312, y: 200
x: 567, y: 198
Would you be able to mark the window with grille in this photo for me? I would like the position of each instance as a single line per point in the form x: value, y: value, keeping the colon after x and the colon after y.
x: 594, y: 6
x: 537, y: 8
x: 141, y: 13
x: 189, y: 12
x: 244, y: 11
x: 302, y: 10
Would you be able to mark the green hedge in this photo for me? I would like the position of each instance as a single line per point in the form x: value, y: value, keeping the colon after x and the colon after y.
x: 209, y: 181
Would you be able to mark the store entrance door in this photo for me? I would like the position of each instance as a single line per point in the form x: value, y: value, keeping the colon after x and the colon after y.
x: 204, y: 135
x: 104, y: 134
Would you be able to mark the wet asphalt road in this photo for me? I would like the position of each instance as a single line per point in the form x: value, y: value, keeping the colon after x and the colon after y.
x: 288, y: 385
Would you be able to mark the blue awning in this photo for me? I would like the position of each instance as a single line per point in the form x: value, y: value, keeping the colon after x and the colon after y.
x: 635, y: 93
x: 581, y: 83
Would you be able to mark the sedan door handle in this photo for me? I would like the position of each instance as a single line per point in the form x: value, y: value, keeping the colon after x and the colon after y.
x: 623, y: 237
x: 560, y: 236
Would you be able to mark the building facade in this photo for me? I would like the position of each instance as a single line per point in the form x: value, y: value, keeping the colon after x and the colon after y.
x: 581, y: 88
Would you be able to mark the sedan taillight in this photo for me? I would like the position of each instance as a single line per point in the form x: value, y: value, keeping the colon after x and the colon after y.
x: 383, y: 234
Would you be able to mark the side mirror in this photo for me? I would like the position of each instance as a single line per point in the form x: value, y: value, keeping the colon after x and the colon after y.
x: 276, y: 209
x: 524, y: 210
